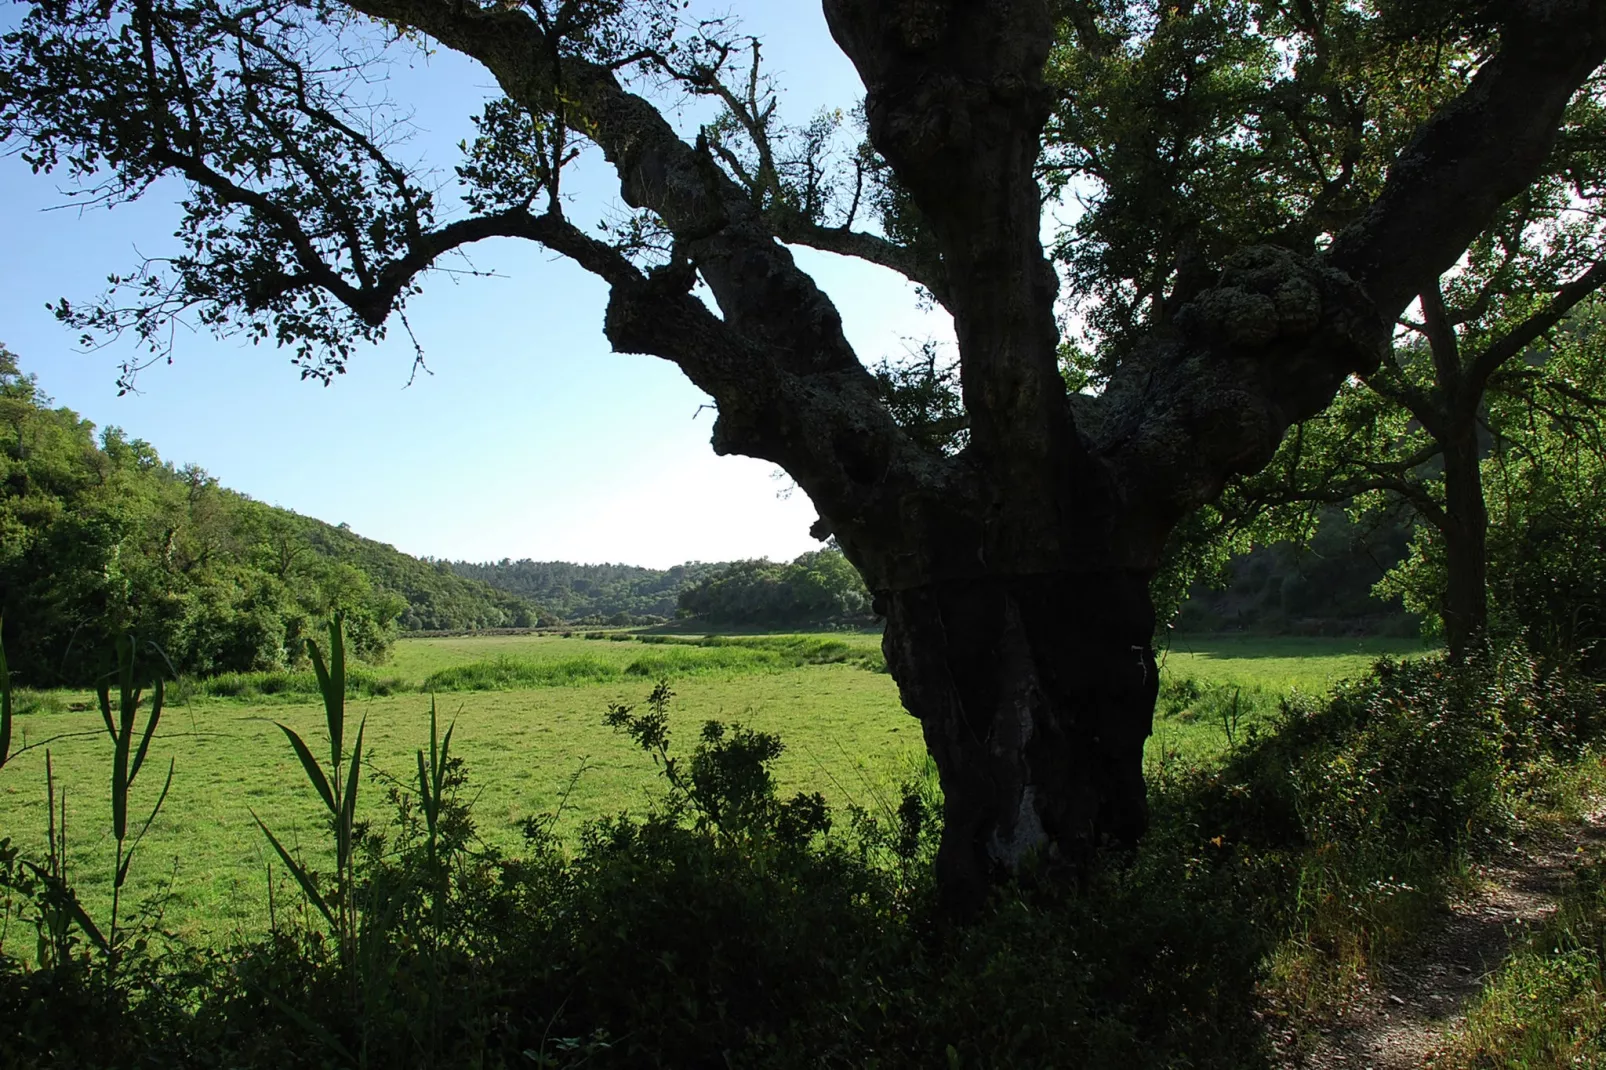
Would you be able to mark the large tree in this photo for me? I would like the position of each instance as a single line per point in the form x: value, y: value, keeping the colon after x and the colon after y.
x: 1013, y: 572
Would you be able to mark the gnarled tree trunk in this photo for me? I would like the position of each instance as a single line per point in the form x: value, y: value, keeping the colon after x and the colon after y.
x: 1035, y: 694
x: 1013, y: 574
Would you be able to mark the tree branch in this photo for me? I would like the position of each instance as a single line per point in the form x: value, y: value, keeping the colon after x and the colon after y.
x: 1478, y: 151
x: 1535, y: 327
x: 794, y: 228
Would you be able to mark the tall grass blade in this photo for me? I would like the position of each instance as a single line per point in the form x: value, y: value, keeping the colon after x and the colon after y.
x: 337, y: 672
x: 303, y: 878
x: 424, y: 793
x: 63, y: 895
x: 103, y: 693
x: 348, y: 815
x: 122, y: 874
x: 127, y: 700
x: 334, y: 704
x: 315, y: 772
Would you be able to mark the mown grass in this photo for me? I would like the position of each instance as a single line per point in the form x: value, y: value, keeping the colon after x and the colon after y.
x: 529, y: 713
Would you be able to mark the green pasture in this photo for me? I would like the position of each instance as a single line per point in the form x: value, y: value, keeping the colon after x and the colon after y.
x: 532, y: 750
x: 1278, y: 664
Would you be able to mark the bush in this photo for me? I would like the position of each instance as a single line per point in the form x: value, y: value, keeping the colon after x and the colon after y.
x: 726, y: 926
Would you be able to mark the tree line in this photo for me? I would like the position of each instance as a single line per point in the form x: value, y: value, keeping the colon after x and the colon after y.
x: 817, y: 588
x: 592, y: 594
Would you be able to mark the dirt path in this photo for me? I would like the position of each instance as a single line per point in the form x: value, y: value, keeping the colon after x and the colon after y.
x: 1422, y: 999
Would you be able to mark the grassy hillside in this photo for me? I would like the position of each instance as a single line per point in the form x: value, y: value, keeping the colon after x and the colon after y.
x: 437, y: 597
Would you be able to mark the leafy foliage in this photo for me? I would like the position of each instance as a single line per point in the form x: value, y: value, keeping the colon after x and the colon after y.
x: 816, y: 587
x: 1320, y: 585
x: 1190, y: 130
x: 603, y: 594
x: 1544, y: 482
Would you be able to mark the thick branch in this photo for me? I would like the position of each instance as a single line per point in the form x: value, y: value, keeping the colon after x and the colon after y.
x: 1442, y: 343
x: 796, y: 229
x: 789, y: 387
x: 955, y: 102
x: 1480, y: 150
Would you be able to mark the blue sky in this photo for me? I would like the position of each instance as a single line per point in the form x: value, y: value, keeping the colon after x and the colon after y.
x: 531, y: 439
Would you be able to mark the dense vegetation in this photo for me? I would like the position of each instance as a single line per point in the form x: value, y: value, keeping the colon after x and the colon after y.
x: 1321, y: 585
x: 820, y: 587
x: 816, y: 588
x: 100, y: 537
x: 590, y: 594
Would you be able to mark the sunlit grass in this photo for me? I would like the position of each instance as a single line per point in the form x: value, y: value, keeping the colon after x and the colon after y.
x: 533, y: 739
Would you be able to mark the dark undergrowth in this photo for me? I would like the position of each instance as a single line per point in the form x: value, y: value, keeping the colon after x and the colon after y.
x: 732, y: 927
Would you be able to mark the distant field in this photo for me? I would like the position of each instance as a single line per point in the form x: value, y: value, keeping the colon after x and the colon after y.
x: 845, y: 731
x: 1280, y: 664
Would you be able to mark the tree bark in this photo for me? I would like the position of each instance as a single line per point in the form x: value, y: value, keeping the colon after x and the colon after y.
x: 1465, y: 531
x: 1035, y: 694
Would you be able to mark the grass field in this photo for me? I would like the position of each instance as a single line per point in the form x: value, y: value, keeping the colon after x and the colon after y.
x: 534, y: 749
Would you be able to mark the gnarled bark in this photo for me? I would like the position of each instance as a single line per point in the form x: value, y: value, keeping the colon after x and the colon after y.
x: 1013, y: 576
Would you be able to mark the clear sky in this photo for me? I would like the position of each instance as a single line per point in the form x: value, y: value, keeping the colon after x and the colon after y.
x: 531, y: 439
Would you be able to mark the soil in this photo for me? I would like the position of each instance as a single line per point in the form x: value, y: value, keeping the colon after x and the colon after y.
x: 1418, y: 1002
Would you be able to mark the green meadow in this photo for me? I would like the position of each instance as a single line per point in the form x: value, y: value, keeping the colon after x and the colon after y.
x: 528, y: 712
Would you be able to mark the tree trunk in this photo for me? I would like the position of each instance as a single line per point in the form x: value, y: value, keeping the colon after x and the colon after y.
x: 1466, y: 597
x: 1035, y: 694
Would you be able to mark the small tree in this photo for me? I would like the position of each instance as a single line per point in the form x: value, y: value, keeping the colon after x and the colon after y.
x: 1414, y: 432
x: 1543, y: 483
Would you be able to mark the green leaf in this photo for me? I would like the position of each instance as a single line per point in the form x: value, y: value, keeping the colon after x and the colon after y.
x: 337, y: 665
x: 150, y: 730
x: 303, y: 878
x: 424, y: 793
x: 61, y: 892
x: 103, y: 693
x: 310, y: 764
x: 122, y: 874
x: 349, y: 803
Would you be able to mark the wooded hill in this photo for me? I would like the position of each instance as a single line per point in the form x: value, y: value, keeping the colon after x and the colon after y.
x: 817, y: 588
x: 99, y: 537
x: 601, y: 594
